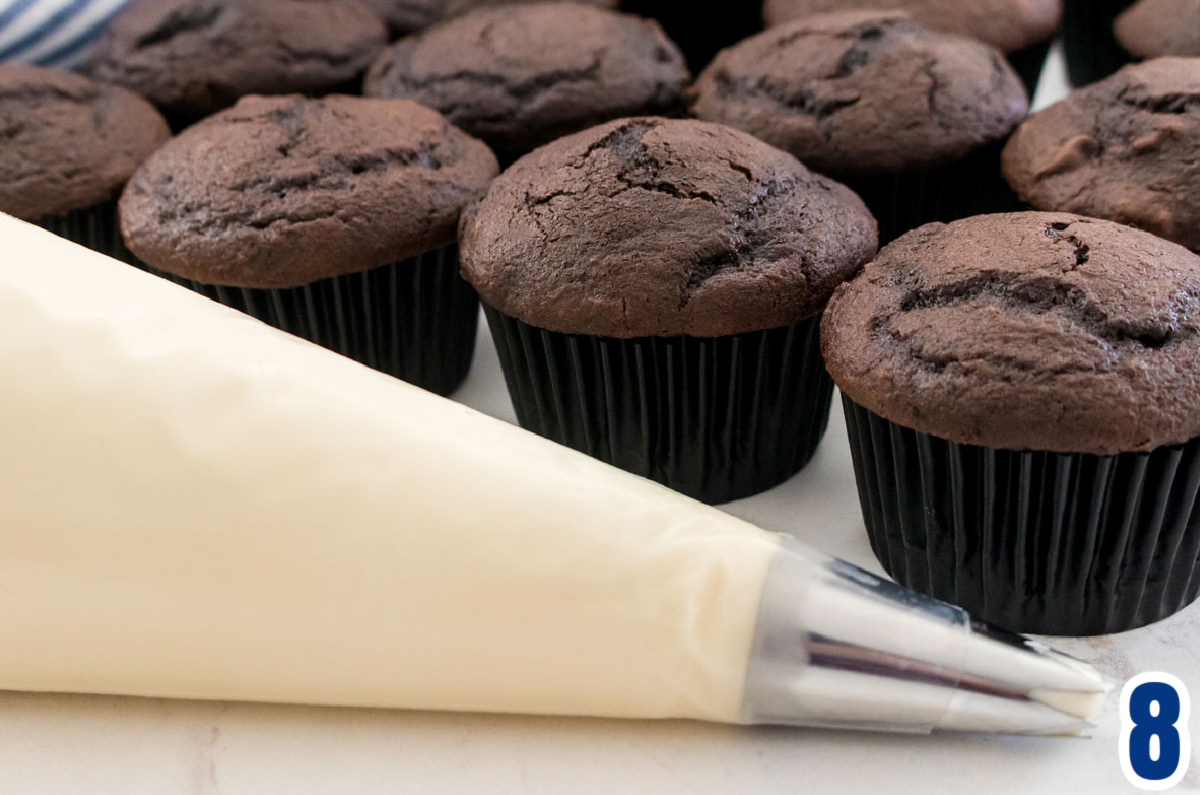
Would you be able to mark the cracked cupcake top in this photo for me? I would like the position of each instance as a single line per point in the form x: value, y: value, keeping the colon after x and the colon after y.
x: 653, y: 227
x: 283, y: 191
x: 860, y: 93
x: 409, y: 16
x: 1008, y: 24
x: 521, y: 76
x: 1027, y: 331
x: 1153, y: 28
x: 192, y: 58
x: 66, y: 142
x: 1123, y: 149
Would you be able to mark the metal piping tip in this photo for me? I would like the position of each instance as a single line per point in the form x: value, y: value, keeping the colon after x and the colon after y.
x: 979, y: 712
x: 1053, y: 670
x: 837, y: 646
x: 1013, y: 684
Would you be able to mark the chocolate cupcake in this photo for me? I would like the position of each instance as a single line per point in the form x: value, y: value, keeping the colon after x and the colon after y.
x: 333, y: 219
x: 1091, y: 48
x: 911, y: 119
x: 192, y: 58
x: 1021, y: 394
x: 1157, y: 28
x: 1022, y: 29
x: 410, y: 16
x: 1122, y: 149
x: 654, y: 288
x: 521, y: 76
x: 69, y: 147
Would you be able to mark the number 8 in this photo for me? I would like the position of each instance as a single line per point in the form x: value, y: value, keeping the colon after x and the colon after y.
x: 1155, y: 746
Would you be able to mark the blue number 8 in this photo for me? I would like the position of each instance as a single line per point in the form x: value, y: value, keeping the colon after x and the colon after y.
x: 1146, y: 726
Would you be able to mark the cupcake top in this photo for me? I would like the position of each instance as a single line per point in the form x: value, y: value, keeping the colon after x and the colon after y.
x: 1153, y: 28
x: 653, y: 227
x: 1123, y: 149
x: 284, y: 191
x: 1027, y: 331
x: 193, y: 57
x: 863, y: 92
x: 1009, y: 25
x: 69, y: 143
x: 409, y: 16
x: 523, y: 75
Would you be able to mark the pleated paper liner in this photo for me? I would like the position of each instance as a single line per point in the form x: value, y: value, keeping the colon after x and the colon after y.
x: 1088, y: 40
x: 414, y: 319
x: 970, y: 186
x: 1029, y: 62
x: 97, y: 228
x: 1048, y: 543
x: 716, y: 419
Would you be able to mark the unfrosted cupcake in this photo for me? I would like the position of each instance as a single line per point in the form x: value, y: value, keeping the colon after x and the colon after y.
x: 1023, y: 398
x: 1022, y: 29
x: 654, y: 288
x: 69, y: 147
x: 192, y: 58
x: 1157, y: 28
x: 1123, y: 149
x: 911, y: 119
x: 521, y: 76
x: 333, y: 219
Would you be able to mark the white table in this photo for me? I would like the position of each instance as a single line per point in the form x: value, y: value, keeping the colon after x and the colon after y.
x: 67, y: 744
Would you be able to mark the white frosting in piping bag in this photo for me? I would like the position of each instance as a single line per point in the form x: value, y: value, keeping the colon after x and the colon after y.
x: 196, y: 505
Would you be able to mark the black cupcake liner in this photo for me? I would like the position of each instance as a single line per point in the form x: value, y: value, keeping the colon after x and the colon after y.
x: 1049, y: 543
x: 1089, y: 42
x: 970, y: 186
x: 1029, y: 62
x: 97, y: 228
x: 716, y: 419
x: 415, y: 319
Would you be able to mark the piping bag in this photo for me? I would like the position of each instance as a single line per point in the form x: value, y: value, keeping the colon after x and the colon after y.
x: 196, y: 505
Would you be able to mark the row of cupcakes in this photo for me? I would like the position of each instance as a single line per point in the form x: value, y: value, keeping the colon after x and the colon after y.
x: 883, y: 114
x: 285, y: 195
x: 513, y: 78
x: 193, y: 57
x: 911, y: 119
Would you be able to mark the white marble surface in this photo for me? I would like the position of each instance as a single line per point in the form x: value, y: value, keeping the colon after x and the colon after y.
x: 82, y: 744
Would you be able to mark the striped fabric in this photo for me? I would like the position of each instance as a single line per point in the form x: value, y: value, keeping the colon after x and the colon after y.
x: 52, y: 32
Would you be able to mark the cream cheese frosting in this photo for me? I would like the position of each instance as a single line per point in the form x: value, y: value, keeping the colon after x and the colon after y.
x: 199, y: 506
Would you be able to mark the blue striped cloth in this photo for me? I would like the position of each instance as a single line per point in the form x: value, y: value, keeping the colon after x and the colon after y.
x: 52, y: 32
